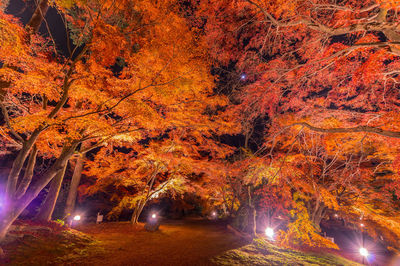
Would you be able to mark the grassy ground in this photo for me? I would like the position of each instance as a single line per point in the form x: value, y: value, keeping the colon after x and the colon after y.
x: 262, y: 252
x: 177, y: 243
x: 60, y: 248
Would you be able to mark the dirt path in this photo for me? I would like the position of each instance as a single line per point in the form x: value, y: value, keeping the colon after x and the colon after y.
x: 189, y: 242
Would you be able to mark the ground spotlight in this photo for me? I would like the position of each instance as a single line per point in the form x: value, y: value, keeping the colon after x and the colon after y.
x: 269, y: 232
x: 364, y: 252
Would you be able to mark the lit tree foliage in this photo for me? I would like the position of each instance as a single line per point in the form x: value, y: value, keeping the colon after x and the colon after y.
x: 325, y: 66
x: 160, y: 81
x: 154, y: 170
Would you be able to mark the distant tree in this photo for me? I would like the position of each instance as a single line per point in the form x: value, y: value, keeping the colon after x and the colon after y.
x: 159, y: 168
x: 327, y: 176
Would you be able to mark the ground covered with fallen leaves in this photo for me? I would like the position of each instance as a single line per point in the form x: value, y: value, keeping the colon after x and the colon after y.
x: 189, y: 242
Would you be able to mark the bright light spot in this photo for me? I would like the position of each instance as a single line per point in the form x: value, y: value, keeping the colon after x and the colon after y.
x: 269, y: 232
x: 153, y: 216
x: 214, y: 213
x: 364, y: 252
x: 362, y: 225
x: 243, y: 76
x: 336, y: 215
x: 77, y: 218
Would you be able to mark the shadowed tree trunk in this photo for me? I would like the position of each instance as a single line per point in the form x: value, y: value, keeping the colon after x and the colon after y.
x: 142, y: 202
x: 38, y: 16
x: 138, y: 210
x: 47, y: 208
x: 26, y: 180
x: 73, y: 189
x: 252, y: 214
x: 316, y: 211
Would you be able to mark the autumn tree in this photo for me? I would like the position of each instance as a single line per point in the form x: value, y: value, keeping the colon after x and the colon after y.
x: 53, y: 104
x: 158, y: 167
x: 331, y: 67
x: 310, y: 57
x: 328, y: 176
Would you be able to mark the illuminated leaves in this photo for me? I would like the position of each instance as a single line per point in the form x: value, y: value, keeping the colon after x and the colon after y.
x: 302, y: 231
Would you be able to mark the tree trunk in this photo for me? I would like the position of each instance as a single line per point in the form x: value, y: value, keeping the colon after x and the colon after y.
x: 317, y: 214
x: 47, y: 208
x: 17, y: 165
x: 73, y: 189
x: 5, y: 223
x: 26, y: 180
x: 251, y: 215
x: 11, y: 210
x: 138, y: 210
x: 38, y: 16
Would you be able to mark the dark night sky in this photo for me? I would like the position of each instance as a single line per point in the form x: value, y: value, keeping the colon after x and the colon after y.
x: 24, y: 10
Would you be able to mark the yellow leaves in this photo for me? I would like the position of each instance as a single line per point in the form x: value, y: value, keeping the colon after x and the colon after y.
x: 328, y: 198
x: 389, y: 3
x: 302, y: 231
x: 11, y: 39
x: 28, y: 123
x: 66, y: 4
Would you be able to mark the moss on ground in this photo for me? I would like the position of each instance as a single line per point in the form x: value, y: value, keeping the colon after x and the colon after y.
x: 66, y: 247
x: 263, y: 252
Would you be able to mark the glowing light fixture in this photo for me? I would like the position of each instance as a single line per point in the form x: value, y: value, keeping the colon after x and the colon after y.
x: 362, y: 225
x: 336, y: 215
x: 364, y: 252
x: 77, y: 218
x: 243, y: 76
x: 214, y: 214
x: 269, y: 232
x: 154, y: 216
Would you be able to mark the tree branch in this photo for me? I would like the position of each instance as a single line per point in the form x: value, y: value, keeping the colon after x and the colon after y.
x: 364, y: 129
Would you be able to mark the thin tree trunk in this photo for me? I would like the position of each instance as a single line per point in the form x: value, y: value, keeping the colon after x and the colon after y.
x: 251, y: 214
x: 47, y: 208
x: 26, y: 180
x: 138, y: 210
x: 73, y: 189
x: 18, y: 164
x: 134, y: 218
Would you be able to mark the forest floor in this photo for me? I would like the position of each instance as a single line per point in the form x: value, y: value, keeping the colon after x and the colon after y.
x: 188, y: 242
